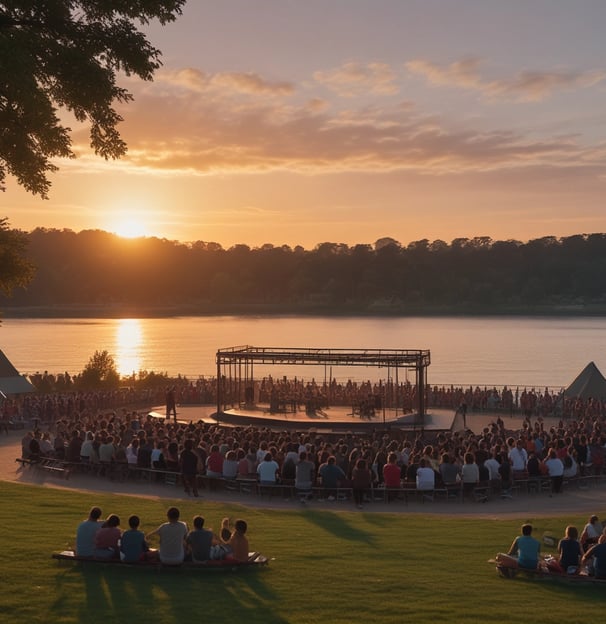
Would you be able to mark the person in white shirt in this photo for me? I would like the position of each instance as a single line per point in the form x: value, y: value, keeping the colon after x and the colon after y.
x: 555, y: 469
x: 518, y: 458
x: 426, y: 477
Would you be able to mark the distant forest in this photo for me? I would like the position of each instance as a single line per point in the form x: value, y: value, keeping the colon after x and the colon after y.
x: 95, y: 272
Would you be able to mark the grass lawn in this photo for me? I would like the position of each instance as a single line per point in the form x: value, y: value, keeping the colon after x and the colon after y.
x: 325, y: 566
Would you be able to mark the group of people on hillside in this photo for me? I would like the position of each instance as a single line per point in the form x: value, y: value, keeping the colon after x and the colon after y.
x: 104, y: 539
x: 577, y: 554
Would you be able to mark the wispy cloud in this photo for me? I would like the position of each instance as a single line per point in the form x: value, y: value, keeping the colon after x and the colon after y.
x: 356, y: 78
x: 206, y: 136
x: 215, y: 126
x: 240, y: 82
x: 526, y: 85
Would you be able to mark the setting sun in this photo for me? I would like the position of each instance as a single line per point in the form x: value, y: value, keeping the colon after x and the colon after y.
x: 132, y: 228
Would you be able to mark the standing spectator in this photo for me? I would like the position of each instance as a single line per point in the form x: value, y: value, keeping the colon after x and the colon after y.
x: 555, y: 470
x: 361, y: 481
x: 189, y: 467
x: 304, y: 475
x: 171, y: 402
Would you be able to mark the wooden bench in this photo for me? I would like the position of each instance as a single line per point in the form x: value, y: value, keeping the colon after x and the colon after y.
x: 254, y: 559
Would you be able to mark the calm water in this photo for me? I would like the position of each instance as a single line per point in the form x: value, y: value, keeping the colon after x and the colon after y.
x: 485, y: 351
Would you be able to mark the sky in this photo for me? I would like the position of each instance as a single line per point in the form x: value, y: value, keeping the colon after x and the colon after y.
x: 299, y: 122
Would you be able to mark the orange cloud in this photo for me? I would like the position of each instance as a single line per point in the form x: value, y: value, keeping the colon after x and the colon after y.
x: 212, y: 126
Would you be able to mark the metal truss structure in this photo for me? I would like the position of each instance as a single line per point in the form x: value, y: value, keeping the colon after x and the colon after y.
x: 235, y: 367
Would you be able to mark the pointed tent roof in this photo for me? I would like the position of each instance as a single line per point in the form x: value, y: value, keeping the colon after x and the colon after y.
x: 589, y: 383
x: 11, y: 382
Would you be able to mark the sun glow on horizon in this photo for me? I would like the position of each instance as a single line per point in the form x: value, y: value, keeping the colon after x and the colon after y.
x: 130, y: 228
x: 129, y: 338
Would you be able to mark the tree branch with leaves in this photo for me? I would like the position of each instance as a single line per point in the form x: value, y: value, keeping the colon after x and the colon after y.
x: 64, y: 54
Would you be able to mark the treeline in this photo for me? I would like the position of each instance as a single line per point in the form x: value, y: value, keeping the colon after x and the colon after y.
x: 475, y: 275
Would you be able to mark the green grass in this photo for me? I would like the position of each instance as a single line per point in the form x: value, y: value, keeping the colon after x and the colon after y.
x: 327, y: 567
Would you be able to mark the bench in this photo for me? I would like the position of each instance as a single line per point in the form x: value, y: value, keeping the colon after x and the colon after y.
x: 254, y: 559
x: 25, y: 461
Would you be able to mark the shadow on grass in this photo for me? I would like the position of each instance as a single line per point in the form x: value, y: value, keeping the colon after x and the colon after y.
x: 337, y: 525
x: 96, y: 592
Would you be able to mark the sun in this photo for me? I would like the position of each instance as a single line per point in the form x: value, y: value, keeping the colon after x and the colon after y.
x: 130, y: 228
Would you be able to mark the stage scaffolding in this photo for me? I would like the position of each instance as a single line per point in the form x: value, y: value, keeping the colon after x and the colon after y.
x: 235, y: 367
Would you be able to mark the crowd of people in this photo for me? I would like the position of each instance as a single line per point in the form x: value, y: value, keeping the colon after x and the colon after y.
x: 497, y: 455
x: 295, y: 394
x: 583, y: 553
x: 104, y: 539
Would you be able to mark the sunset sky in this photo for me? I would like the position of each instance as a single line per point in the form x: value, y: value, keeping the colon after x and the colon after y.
x: 307, y: 121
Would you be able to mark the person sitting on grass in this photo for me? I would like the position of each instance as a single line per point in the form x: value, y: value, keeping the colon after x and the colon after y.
x: 225, y: 533
x: 591, y: 532
x: 570, y: 551
x: 598, y: 553
x: 85, y: 533
x: 107, y: 539
x: 239, y: 542
x: 199, y: 541
x: 524, y: 551
x: 172, y: 538
x: 133, y: 546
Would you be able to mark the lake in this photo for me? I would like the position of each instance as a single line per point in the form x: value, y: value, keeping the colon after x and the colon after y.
x: 485, y: 351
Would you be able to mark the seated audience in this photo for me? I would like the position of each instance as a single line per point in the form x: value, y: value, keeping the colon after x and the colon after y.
x: 570, y: 551
x: 133, y: 545
x: 239, y: 542
x: 199, y: 541
x: 85, y: 533
x: 107, y: 539
x: 524, y: 551
x: 172, y: 538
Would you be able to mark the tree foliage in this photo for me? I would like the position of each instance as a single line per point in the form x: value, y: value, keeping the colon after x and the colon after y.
x: 468, y: 275
x: 100, y: 373
x: 15, y: 269
x: 67, y: 54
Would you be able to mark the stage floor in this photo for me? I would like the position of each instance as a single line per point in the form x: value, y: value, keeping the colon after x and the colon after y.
x: 329, y: 419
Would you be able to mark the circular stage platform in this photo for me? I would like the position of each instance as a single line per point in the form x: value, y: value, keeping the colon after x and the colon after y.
x: 333, y: 419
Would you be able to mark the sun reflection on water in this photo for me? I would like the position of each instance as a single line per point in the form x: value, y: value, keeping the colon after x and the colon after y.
x: 129, y: 338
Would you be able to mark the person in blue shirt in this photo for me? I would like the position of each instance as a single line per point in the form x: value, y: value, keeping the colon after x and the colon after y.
x: 527, y: 549
x: 524, y: 551
x: 133, y: 547
x: 86, y: 532
x: 598, y: 554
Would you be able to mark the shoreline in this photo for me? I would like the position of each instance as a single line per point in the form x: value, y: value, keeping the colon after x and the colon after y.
x: 272, y: 310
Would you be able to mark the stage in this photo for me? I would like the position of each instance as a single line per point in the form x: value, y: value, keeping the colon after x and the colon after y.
x: 332, y: 419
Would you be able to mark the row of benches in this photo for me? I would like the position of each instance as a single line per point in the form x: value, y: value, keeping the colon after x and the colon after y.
x: 407, y: 491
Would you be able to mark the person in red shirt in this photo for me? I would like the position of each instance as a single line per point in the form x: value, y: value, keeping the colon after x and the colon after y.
x: 392, y: 475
